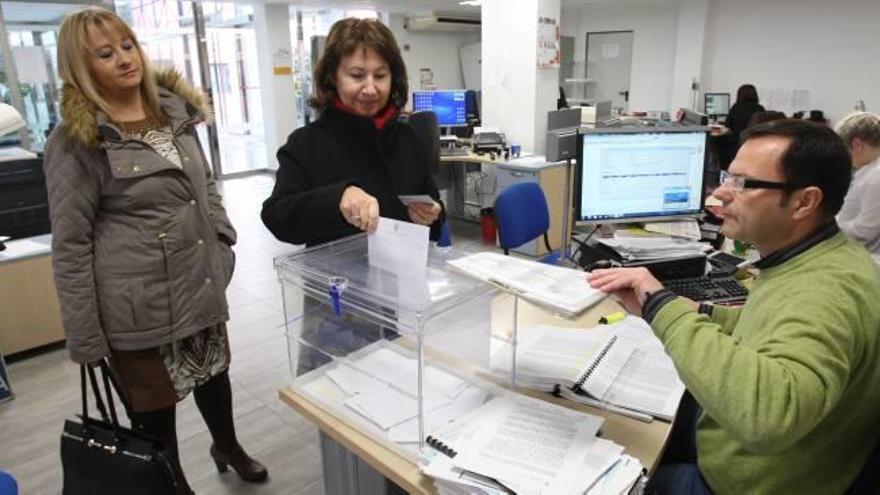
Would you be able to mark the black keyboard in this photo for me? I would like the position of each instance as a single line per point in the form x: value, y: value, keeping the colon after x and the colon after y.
x: 725, y: 289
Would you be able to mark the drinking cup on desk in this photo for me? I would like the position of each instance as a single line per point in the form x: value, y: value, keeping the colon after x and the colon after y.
x: 515, y: 149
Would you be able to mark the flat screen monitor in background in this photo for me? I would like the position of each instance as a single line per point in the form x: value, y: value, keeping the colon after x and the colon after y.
x: 640, y: 174
x: 717, y: 104
x: 449, y: 106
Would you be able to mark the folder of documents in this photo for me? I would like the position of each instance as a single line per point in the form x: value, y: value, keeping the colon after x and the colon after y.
x: 563, y: 290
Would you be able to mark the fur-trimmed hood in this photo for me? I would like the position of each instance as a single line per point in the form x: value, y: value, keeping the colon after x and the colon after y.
x: 179, y: 100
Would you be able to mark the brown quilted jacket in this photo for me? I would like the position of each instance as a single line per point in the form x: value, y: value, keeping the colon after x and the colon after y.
x: 141, y: 248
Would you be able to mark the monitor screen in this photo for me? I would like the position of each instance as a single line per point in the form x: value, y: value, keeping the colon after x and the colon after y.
x: 717, y: 103
x: 628, y: 175
x: 449, y: 106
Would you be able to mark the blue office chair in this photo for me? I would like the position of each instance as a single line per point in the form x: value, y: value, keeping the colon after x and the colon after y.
x: 8, y: 485
x: 522, y: 215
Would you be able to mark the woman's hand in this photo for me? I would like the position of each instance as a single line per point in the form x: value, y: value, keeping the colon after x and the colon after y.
x: 359, y: 208
x: 423, y: 213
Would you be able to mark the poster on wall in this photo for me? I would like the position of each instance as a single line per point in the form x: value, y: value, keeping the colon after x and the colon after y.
x: 548, y: 43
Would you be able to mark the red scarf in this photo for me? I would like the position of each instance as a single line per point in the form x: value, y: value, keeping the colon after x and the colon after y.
x: 382, y: 118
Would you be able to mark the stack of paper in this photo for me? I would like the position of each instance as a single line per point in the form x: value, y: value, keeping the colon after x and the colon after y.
x: 635, y: 374
x: 654, y: 247
x: 563, y: 289
x: 526, y: 446
x: 383, y: 388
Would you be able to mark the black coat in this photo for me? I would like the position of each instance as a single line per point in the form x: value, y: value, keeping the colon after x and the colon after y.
x: 739, y: 115
x: 338, y: 150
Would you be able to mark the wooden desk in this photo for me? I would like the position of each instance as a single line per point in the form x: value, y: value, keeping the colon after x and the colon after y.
x: 30, y: 315
x: 645, y: 441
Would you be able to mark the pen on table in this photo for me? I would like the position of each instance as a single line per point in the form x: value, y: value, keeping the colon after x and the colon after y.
x: 599, y: 404
x: 612, y: 318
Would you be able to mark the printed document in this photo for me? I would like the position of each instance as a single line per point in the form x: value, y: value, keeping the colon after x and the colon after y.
x: 562, y: 289
x: 529, y: 446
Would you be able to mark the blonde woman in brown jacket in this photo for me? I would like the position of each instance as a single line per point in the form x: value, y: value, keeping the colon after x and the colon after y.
x: 141, y: 242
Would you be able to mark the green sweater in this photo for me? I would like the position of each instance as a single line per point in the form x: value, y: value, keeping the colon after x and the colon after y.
x: 789, y: 383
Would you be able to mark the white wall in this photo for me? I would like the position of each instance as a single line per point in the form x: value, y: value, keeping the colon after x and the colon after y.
x: 435, y: 50
x: 654, y: 44
x: 829, y: 48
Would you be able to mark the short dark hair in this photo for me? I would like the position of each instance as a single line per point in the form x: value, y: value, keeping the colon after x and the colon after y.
x: 815, y: 156
x: 747, y: 92
x: 345, y: 37
x: 761, y: 117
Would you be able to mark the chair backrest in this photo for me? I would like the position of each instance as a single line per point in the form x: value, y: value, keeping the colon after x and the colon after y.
x: 521, y: 214
x: 8, y: 486
x: 425, y: 125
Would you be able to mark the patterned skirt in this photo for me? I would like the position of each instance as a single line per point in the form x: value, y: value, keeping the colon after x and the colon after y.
x: 159, y: 377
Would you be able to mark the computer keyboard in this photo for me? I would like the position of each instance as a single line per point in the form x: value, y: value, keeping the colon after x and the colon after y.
x: 725, y: 289
x: 453, y: 151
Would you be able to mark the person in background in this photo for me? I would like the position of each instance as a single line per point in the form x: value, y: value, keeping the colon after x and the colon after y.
x: 859, y: 218
x: 140, y: 240
x: 737, y: 120
x: 791, y: 376
x: 743, y: 108
x: 337, y: 175
x: 761, y: 117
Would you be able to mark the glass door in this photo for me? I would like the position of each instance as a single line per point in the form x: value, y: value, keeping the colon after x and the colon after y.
x: 30, y: 29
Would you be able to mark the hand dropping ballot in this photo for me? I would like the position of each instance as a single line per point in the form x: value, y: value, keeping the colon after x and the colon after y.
x: 400, y: 251
x: 399, y: 247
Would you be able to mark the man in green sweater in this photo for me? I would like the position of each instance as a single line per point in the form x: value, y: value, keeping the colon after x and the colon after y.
x: 789, y: 384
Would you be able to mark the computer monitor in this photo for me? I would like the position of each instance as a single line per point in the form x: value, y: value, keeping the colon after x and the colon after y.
x: 640, y: 174
x: 449, y: 105
x: 717, y: 104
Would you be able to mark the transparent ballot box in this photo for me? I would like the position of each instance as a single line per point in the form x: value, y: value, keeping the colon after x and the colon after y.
x: 398, y: 354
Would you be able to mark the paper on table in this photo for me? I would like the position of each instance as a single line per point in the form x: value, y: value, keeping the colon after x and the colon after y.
x: 23, y: 247
x: 689, y: 229
x: 415, y: 198
x: 563, y: 289
x: 387, y: 407
x: 392, y: 366
x: 619, y: 479
x: 525, y: 443
x: 399, y: 247
x: 468, y: 400
x: 602, y: 456
x: 350, y: 380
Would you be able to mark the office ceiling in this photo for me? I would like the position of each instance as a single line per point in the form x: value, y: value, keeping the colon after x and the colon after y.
x: 413, y: 6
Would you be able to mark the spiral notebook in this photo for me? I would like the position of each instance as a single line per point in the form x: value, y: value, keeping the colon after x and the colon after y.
x: 632, y: 377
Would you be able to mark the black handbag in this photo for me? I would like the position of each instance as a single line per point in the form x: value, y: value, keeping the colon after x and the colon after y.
x: 99, y: 456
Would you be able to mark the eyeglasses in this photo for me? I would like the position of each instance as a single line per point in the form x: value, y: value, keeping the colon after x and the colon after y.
x: 739, y: 183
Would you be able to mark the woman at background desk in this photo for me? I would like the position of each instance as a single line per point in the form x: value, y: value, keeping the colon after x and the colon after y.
x: 737, y: 121
x: 339, y: 173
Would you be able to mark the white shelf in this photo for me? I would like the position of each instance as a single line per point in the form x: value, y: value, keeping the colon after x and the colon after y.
x: 579, y: 80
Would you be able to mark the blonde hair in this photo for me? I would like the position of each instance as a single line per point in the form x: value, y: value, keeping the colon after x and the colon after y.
x: 862, y: 125
x: 74, y: 56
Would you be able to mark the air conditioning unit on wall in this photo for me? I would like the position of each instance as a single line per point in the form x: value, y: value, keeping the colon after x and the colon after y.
x: 443, y: 21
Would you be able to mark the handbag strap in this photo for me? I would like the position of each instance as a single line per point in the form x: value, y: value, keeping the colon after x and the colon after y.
x: 93, y: 381
x: 105, y: 371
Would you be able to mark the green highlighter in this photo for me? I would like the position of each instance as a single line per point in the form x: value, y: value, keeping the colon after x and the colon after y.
x: 612, y: 318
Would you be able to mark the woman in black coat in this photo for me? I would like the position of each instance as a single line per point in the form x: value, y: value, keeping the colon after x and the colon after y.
x: 737, y: 121
x: 338, y: 174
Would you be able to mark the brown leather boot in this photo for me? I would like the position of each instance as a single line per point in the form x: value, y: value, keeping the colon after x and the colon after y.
x: 248, y: 469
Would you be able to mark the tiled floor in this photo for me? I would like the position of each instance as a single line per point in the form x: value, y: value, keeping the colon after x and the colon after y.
x: 47, y: 386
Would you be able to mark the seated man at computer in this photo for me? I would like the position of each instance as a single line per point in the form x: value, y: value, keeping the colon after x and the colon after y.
x: 788, y: 384
x: 859, y: 217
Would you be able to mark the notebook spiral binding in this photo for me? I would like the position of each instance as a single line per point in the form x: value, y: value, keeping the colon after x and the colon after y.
x: 586, y: 376
x: 440, y: 446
